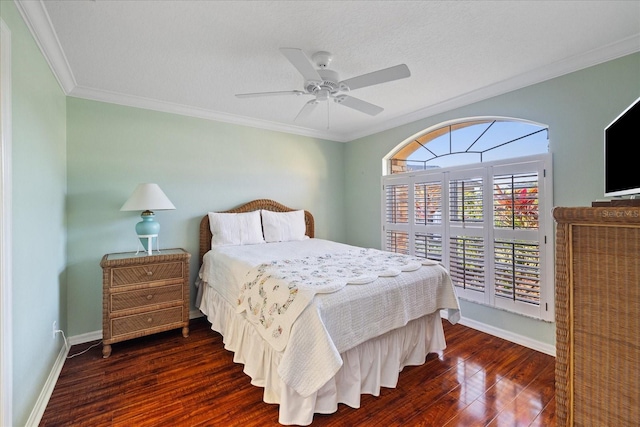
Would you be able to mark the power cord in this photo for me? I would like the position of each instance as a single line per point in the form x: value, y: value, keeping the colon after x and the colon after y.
x: 66, y: 345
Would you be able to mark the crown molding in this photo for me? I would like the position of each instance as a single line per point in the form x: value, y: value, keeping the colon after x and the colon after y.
x: 557, y: 69
x: 186, y: 110
x: 37, y: 19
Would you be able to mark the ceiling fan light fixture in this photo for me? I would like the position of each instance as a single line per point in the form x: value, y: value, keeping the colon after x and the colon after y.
x: 322, y: 95
x: 322, y: 59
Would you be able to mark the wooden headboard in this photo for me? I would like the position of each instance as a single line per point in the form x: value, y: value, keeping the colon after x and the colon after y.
x: 255, y: 205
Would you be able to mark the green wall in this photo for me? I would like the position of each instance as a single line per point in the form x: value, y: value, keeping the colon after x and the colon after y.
x: 38, y: 215
x: 576, y: 107
x: 201, y: 166
x: 75, y: 162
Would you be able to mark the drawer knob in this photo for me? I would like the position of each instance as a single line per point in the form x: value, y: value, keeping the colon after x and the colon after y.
x: 149, y: 320
x: 149, y: 273
x: 149, y: 296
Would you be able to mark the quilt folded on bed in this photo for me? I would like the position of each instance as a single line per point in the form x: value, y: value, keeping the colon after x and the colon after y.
x: 275, y: 293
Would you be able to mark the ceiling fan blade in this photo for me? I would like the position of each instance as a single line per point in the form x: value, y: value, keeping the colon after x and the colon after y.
x: 358, y: 104
x: 286, y: 92
x: 381, y: 76
x: 306, y: 110
x: 299, y: 60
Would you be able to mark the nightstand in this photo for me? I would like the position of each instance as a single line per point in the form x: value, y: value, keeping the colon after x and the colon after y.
x: 144, y: 294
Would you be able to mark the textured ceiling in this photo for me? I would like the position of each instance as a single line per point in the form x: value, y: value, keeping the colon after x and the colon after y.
x: 192, y: 57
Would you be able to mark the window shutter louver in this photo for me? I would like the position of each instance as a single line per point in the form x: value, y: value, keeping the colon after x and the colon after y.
x: 466, y: 262
x: 465, y: 200
x: 397, y: 203
x: 517, y: 271
x: 428, y: 245
x: 515, y: 201
x: 427, y: 197
x: 397, y: 241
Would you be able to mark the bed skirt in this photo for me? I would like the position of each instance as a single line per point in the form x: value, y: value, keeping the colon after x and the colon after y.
x: 366, y: 368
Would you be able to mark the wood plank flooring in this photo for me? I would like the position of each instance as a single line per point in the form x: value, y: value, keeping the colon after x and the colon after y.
x: 168, y: 380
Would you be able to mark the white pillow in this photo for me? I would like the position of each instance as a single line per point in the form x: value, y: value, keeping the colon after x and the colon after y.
x: 283, y: 226
x: 235, y: 228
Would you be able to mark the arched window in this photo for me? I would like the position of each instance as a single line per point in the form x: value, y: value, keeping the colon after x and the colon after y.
x: 470, y: 141
x: 476, y: 195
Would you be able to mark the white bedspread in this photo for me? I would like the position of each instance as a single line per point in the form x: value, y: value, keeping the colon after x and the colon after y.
x: 333, y: 322
x: 274, y: 294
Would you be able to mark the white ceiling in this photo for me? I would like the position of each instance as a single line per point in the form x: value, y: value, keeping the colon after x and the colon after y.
x: 192, y: 57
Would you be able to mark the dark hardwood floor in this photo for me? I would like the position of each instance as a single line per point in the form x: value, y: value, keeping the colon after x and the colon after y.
x: 168, y: 380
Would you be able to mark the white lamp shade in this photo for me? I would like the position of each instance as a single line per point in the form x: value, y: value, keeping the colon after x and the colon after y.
x: 147, y: 197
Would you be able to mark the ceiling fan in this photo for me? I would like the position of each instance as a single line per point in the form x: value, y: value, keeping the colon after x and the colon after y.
x: 323, y: 84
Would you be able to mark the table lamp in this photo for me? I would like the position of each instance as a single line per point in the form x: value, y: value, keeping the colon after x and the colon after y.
x: 147, y: 198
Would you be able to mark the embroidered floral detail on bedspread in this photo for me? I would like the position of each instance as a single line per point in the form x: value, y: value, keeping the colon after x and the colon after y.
x: 275, y: 293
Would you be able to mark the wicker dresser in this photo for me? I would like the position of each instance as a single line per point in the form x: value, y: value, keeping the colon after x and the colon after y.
x: 597, y: 316
x: 144, y: 294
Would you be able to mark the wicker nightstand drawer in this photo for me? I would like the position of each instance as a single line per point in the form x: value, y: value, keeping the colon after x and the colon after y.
x: 145, y: 297
x: 144, y: 294
x: 147, y: 273
x: 141, y: 322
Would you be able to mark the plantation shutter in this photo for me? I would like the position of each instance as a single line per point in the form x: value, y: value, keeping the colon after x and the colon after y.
x: 517, y: 236
x: 467, y: 233
x: 428, y: 213
x: 396, y: 212
x: 484, y: 225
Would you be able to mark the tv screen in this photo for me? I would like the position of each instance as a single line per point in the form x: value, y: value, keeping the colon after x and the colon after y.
x: 621, y: 166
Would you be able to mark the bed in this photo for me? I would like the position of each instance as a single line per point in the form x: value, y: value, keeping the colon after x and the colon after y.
x: 315, y: 322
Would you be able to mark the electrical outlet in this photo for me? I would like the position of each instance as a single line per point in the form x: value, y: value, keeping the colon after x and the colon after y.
x: 55, y: 329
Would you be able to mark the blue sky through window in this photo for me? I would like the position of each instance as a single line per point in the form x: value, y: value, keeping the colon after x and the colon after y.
x: 495, y: 140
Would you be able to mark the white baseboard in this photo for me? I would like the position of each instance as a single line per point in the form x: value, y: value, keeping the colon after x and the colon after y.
x: 83, y: 338
x: 508, y: 335
x: 47, y: 390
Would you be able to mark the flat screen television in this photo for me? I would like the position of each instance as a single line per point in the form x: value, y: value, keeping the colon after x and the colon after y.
x: 621, y: 166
